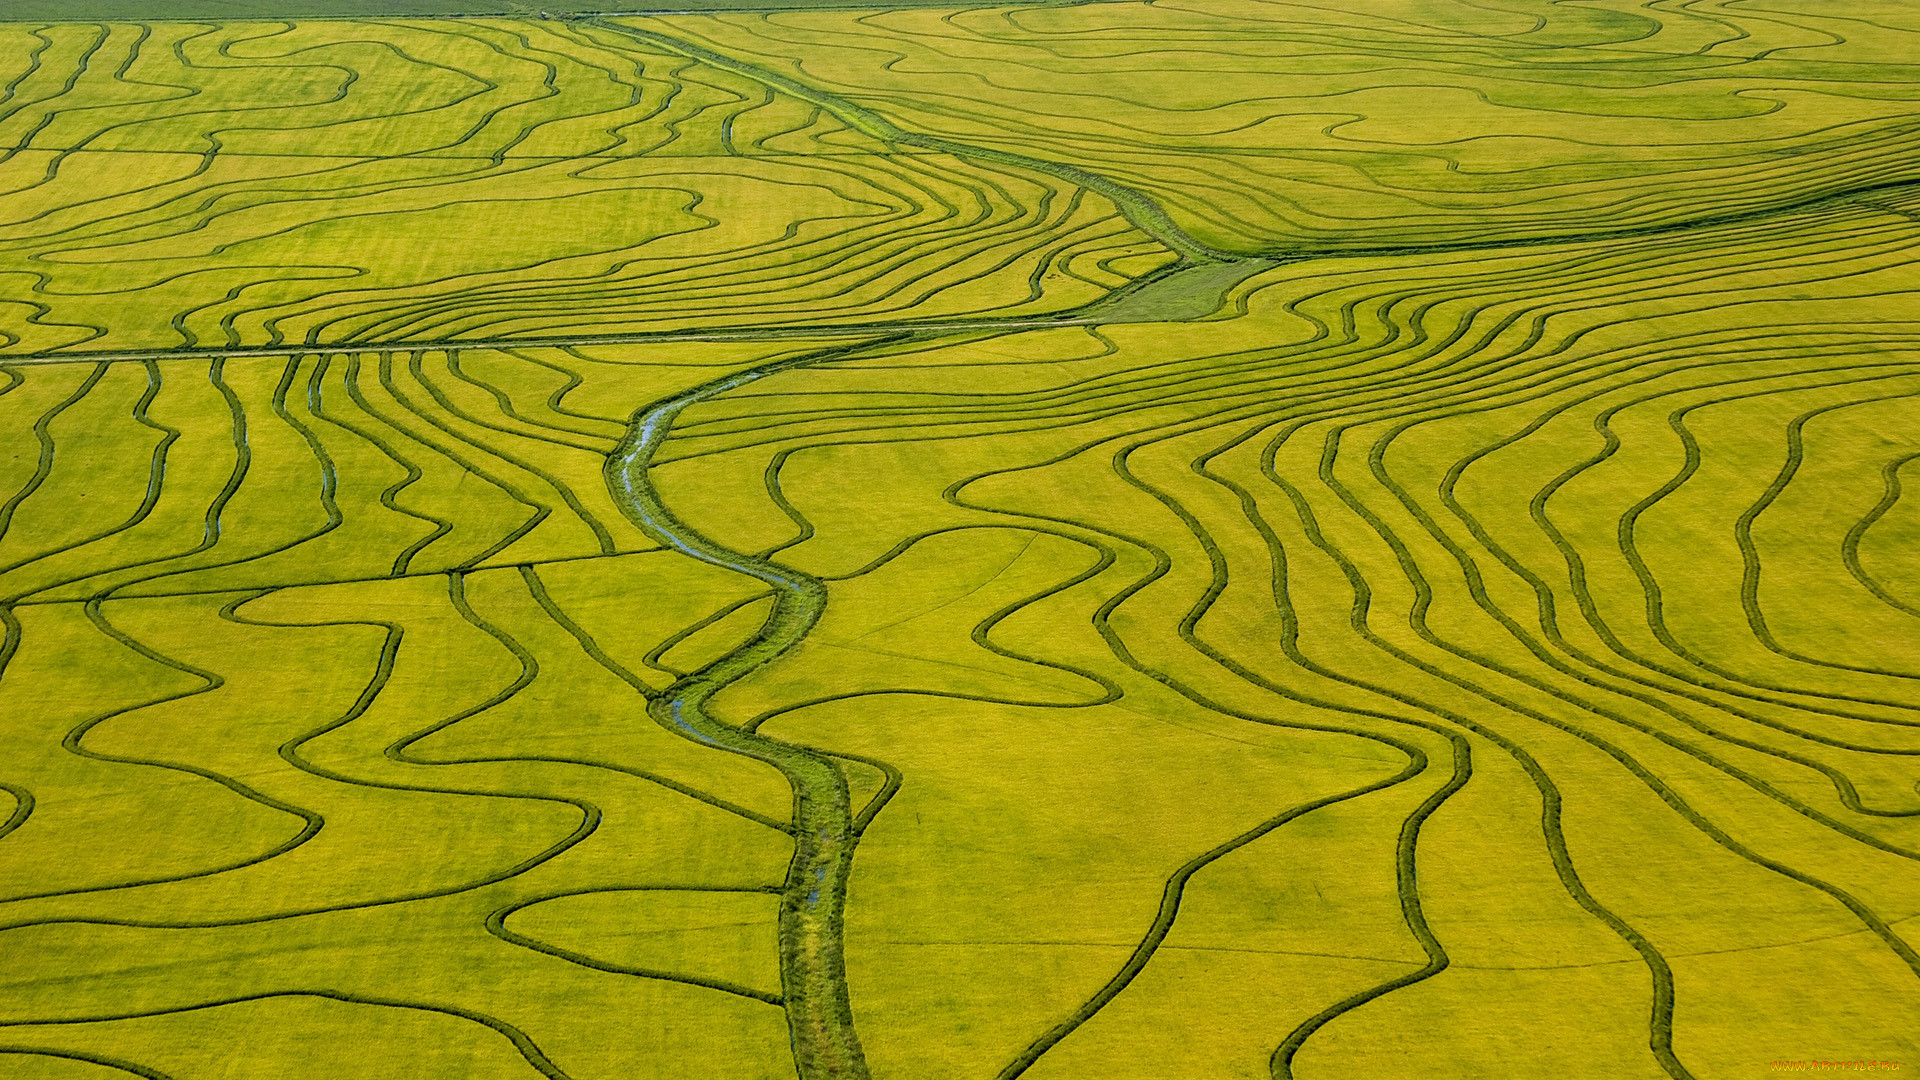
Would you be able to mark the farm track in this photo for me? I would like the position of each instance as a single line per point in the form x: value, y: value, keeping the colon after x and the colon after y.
x: 1606, y: 522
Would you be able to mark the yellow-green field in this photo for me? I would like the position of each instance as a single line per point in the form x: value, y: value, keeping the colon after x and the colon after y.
x: 1204, y: 539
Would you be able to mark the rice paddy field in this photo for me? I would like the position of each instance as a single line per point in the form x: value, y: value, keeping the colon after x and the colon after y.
x: 1126, y: 540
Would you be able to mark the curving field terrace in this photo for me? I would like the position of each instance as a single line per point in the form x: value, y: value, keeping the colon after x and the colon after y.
x: 1203, y: 539
x: 215, y: 185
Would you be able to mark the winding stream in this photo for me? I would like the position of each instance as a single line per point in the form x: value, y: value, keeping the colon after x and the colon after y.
x: 813, y: 897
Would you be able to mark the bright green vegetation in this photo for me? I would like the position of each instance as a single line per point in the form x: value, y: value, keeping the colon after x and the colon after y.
x: 230, y: 10
x: 330, y: 183
x: 1272, y: 128
x: 1205, y: 539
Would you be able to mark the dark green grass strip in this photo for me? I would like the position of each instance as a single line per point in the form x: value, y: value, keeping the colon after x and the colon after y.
x: 211, y: 527
x: 402, y: 750
x: 75, y: 743
x: 116, y: 1064
x: 1743, y: 531
x: 1546, y: 603
x: 656, y: 656
x: 317, y: 406
x: 1476, y: 588
x: 520, y: 1040
x: 1850, y: 547
x: 1281, y: 1063
x: 497, y: 926
x: 291, y: 752
x: 1565, y: 867
x: 1730, y: 682
x: 1417, y: 764
x: 22, y: 808
x: 1145, y: 214
x: 547, y: 431
x: 1175, y: 889
x: 57, y: 11
x: 10, y: 644
x: 567, y: 495
x: 1662, y: 1002
x: 538, y: 590
x: 359, y: 397
x: 42, y: 433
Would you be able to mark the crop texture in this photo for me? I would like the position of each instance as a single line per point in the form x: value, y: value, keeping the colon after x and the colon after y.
x: 1203, y: 539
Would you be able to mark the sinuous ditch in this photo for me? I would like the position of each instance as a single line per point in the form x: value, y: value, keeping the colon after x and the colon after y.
x: 813, y: 898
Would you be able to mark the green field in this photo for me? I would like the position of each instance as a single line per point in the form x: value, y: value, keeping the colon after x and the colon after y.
x: 1175, y: 541
x: 66, y: 11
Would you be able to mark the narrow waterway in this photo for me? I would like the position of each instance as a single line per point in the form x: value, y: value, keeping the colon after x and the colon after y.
x: 813, y: 897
